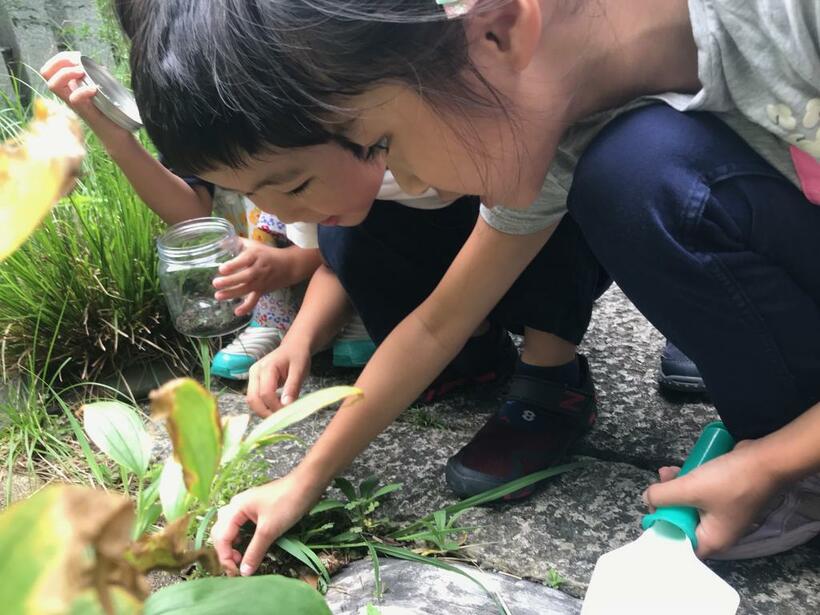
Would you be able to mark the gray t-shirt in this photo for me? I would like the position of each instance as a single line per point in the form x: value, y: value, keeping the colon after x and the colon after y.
x: 759, y: 65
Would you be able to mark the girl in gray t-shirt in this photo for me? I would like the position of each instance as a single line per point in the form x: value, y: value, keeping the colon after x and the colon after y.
x: 681, y: 136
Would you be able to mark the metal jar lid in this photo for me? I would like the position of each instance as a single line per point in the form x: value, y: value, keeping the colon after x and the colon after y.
x: 113, y: 99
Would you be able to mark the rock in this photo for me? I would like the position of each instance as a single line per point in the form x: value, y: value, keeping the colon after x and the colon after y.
x: 22, y: 486
x: 417, y: 589
x: 574, y: 518
x: 636, y: 424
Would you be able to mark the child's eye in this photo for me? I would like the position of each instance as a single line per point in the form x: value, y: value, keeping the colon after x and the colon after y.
x: 299, y: 189
x: 368, y: 154
x: 382, y: 146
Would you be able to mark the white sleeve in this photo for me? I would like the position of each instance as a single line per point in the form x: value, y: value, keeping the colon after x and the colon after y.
x: 303, y: 234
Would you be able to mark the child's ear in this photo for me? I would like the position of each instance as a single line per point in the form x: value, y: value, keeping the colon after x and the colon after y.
x: 509, y: 34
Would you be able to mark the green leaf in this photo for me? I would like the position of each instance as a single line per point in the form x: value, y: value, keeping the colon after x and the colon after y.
x: 368, y: 486
x: 406, y: 554
x: 118, y: 432
x: 346, y: 487
x: 326, y: 505
x: 349, y: 536
x: 146, y: 519
x: 193, y: 423
x: 233, y: 430
x: 199, y: 540
x: 322, y: 529
x: 304, y: 554
x: 386, y: 490
x: 278, y: 437
x: 297, y: 411
x: 148, y: 509
x: 494, y: 494
x: 238, y: 596
x: 373, y: 610
x: 172, y: 491
x: 377, y: 573
x: 150, y: 494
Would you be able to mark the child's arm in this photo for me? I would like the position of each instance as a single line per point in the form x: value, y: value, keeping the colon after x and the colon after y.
x: 260, y: 269
x: 483, y: 271
x: 169, y: 196
x: 324, y: 312
x: 731, y: 490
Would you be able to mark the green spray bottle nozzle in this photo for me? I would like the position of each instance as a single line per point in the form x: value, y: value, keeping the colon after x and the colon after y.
x: 714, y: 441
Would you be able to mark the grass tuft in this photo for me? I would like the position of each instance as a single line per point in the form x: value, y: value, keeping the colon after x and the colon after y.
x: 86, y: 282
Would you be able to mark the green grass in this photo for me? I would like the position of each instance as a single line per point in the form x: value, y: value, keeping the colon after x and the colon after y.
x: 37, y: 439
x: 422, y: 417
x: 87, y: 279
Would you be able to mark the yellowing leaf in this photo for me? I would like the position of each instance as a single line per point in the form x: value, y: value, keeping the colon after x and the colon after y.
x: 169, y: 550
x: 193, y: 423
x: 35, y: 170
x: 121, y: 603
x: 62, y: 542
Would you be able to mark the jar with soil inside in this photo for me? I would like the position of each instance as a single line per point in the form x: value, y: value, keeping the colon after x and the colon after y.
x: 189, y: 257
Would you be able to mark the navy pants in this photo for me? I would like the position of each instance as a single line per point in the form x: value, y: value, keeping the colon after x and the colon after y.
x: 717, y: 249
x: 392, y: 261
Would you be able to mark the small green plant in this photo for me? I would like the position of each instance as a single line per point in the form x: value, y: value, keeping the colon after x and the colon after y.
x: 363, y: 501
x: 554, y: 579
x: 423, y: 417
x: 207, y: 450
x: 440, y: 533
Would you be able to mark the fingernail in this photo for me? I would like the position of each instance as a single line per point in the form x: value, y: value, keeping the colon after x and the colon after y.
x: 645, y: 499
x: 286, y: 399
x: 245, y: 570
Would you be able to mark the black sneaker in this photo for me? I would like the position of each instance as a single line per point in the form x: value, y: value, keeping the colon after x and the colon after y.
x: 536, y: 424
x: 485, y: 359
x: 678, y: 372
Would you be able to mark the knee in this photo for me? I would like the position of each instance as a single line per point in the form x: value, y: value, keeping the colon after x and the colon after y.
x: 631, y: 179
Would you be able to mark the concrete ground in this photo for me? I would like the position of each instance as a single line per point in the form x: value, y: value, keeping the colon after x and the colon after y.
x: 577, y: 517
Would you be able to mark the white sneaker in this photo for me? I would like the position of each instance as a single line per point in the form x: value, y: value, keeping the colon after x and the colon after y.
x: 790, y: 520
x: 234, y: 361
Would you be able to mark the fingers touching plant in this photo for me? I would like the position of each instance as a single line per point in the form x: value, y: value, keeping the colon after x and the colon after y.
x: 206, y: 448
x: 66, y: 550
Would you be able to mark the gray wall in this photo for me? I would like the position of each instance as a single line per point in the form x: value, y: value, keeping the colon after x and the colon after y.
x: 31, y: 31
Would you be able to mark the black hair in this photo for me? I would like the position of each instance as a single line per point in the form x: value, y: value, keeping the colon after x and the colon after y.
x: 218, y: 81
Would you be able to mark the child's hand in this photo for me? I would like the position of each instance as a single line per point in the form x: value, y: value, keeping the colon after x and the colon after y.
x: 64, y: 75
x: 728, y: 491
x: 288, y: 364
x: 274, y: 508
x: 258, y: 269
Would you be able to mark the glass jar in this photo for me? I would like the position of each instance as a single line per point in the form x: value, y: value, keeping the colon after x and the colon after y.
x: 189, y: 255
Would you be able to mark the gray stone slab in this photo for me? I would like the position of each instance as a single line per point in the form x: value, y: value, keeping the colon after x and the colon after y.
x: 35, y: 35
x: 416, y: 589
x: 566, y: 526
x: 22, y: 486
x: 636, y: 423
